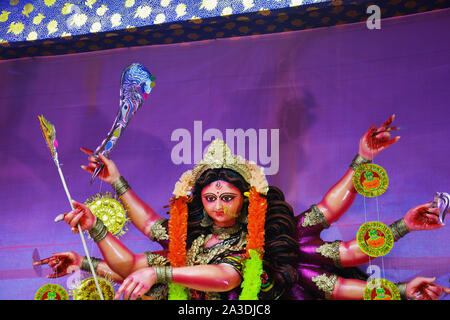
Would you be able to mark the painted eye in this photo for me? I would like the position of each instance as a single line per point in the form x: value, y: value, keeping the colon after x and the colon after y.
x: 210, y: 199
x: 227, y: 198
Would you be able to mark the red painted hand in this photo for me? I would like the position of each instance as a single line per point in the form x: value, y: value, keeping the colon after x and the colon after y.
x: 62, y: 263
x: 423, y: 217
x: 376, y: 140
x: 421, y: 288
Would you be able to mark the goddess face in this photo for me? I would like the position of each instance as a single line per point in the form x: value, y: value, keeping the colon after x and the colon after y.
x: 223, y: 202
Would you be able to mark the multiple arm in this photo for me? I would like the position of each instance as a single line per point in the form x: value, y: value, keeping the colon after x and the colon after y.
x: 341, y: 196
x: 122, y: 265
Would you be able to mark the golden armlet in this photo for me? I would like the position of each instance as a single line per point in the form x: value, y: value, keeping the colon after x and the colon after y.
x: 98, y: 231
x: 85, y: 264
x: 358, y: 161
x: 399, y: 229
x: 120, y: 186
x: 163, y: 274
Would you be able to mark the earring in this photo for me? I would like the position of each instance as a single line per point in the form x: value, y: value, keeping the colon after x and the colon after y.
x: 206, y: 221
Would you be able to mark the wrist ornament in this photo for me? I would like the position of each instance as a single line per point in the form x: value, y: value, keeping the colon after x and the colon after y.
x: 163, y: 274
x: 399, y: 229
x: 402, y: 289
x: 120, y: 186
x: 359, y: 160
x: 85, y: 264
x: 99, y: 231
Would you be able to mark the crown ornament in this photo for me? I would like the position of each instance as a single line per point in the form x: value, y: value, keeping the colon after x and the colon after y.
x: 219, y: 156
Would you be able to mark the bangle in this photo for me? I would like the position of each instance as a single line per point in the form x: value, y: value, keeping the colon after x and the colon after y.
x: 358, y: 160
x: 99, y: 231
x: 399, y: 229
x: 163, y: 274
x: 120, y: 186
x: 402, y: 289
x: 85, y: 264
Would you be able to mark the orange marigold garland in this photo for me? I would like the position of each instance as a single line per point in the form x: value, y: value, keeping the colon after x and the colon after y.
x: 256, y: 221
x: 177, y: 244
x: 253, y: 269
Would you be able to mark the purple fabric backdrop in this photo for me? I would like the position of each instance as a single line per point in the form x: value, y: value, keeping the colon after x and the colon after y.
x: 320, y: 90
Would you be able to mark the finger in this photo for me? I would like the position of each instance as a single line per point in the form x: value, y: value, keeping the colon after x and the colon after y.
x: 122, y: 288
x: 52, y: 263
x: 93, y: 165
x: 90, y: 170
x: 79, y: 205
x: 58, y: 264
x: 143, y: 291
x: 431, y: 294
x: 93, y: 159
x: 446, y: 290
x: 43, y: 261
x: 69, y: 216
x: 436, y: 289
x: 59, y: 217
x: 87, y: 151
x: 371, y: 131
x: 390, y: 142
x: 389, y: 121
x: 422, y: 207
x: 129, y: 290
x: 427, y: 280
x: 74, y: 230
x: 431, y: 220
x: 137, y: 291
x: 104, y: 159
x: 431, y: 216
x: 76, y: 219
x: 433, y: 211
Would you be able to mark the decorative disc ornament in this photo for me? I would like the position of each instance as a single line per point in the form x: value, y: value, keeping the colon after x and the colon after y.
x: 110, y: 210
x: 375, y: 239
x: 381, y: 289
x: 51, y: 291
x: 86, y: 290
x: 370, y: 180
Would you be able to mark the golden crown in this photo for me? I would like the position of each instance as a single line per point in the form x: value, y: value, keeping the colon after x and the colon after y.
x: 219, y: 156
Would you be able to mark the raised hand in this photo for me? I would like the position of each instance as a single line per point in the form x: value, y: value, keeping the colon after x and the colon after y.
x: 109, y: 173
x: 136, y: 284
x: 421, y: 288
x: 423, y: 217
x: 376, y: 140
x: 62, y: 263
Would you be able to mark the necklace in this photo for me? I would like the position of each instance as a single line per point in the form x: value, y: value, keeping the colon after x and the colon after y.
x: 224, y: 233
